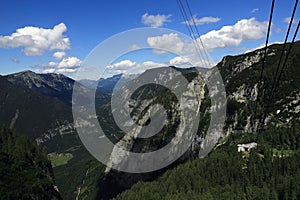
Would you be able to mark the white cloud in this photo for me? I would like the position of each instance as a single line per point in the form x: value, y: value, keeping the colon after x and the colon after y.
x: 66, y: 65
x: 133, y: 47
x: 120, y: 71
x: 203, y: 20
x: 179, y: 61
x: 66, y: 70
x: 243, y: 30
x: 150, y: 64
x: 48, y: 71
x: 52, y: 64
x: 255, y: 10
x: 59, y: 55
x: 288, y: 19
x: 262, y: 46
x: 155, y: 20
x: 190, y: 61
x: 227, y: 36
x: 122, y: 65
x: 131, y: 67
x: 255, y: 48
x: 70, y: 62
x: 35, y: 41
x: 170, y: 42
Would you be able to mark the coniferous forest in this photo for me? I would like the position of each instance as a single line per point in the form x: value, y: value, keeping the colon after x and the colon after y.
x: 25, y: 170
x: 271, y: 171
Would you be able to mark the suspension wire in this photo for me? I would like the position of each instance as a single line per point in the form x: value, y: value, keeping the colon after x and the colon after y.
x: 284, y: 65
x: 265, y: 51
x: 282, y: 52
x: 197, y: 31
x: 263, y: 62
x: 275, y: 79
x: 288, y: 54
x: 191, y: 31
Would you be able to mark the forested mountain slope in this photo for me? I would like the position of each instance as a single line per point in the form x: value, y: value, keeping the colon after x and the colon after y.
x: 30, y: 112
x: 25, y: 170
x: 272, y: 171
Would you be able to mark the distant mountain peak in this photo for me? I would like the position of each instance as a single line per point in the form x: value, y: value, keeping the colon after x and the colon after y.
x: 53, y: 85
x: 25, y: 72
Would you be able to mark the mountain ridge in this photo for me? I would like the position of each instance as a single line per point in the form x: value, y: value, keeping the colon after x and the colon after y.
x: 240, y: 74
x: 39, y: 117
x: 53, y: 85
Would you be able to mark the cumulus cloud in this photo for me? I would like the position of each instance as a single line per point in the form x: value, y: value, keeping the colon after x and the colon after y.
x: 133, y: 47
x: 243, y: 30
x: 190, y: 61
x: 48, y: 71
x: 35, y: 41
x: 203, y: 20
x: 124, y: 64
x: 59, y: 55
x: 131, y: 67
x: 227, y: 36
x: 179, y: 61
x: 66, y: 70
x: 52, y: 64
x: 262, y: 46
x: 70, y: 62
x: 66, y: 65
x: 155, y: 20
x: 150, y: 65
x: 170, y: 42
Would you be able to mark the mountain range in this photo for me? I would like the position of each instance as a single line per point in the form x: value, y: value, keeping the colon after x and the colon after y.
x: 26, y: 110
x: 107, y: 85
x: 39, y: 106
x: 52, y: 85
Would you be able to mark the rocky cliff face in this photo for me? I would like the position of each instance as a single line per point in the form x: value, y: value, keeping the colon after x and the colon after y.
x: 240, y: 75
x: 149, y: 101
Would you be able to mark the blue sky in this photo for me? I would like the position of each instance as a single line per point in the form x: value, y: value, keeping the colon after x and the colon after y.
x: 82, y: 25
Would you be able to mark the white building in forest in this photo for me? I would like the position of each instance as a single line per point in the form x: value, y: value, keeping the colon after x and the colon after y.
x: 246, y: 147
